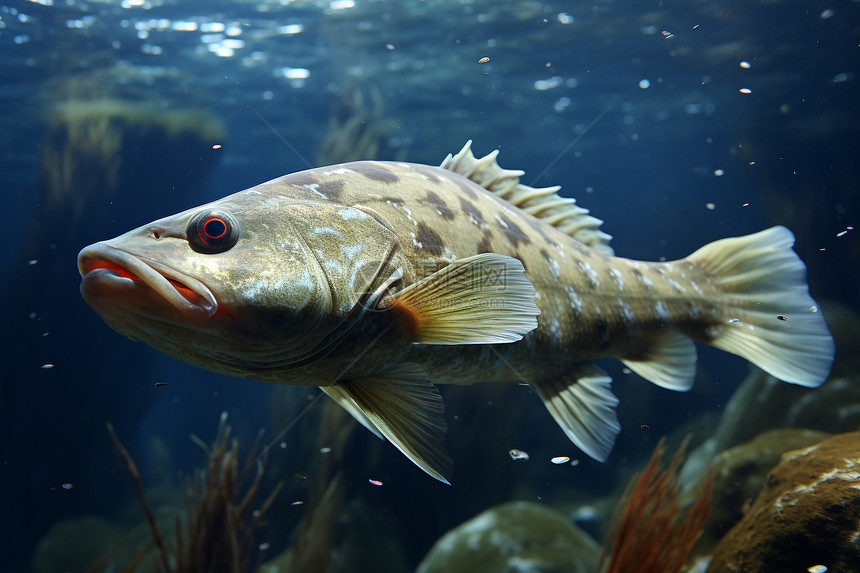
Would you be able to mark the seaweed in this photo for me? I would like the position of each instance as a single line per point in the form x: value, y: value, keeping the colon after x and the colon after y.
x: 218, y: 530
x: 650, y: 531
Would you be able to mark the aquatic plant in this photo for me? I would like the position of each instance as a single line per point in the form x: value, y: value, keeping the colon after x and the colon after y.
x: 218, y: 531
x: 650, y: 531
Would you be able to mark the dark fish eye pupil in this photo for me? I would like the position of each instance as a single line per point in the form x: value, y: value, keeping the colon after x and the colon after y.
x: 215, y: 228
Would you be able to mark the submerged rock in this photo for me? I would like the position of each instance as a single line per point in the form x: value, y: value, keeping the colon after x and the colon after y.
x: 808, y: 514
x: 517, y: 536
x: 739, y: 475
x: 763, y: 403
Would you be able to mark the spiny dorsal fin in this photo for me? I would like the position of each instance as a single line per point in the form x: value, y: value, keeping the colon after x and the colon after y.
x: 543, y: 203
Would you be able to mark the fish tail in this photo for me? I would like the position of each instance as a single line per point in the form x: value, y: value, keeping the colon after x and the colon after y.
x: 771, y: 320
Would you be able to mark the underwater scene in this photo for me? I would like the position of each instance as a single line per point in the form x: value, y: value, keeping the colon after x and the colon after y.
x: 430, y: 286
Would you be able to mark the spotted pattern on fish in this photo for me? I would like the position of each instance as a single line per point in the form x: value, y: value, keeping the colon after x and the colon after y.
x: 428, y: 174
x: 331, y: 189
x: 512, y: 232
x: 617, y: 278
x: 472, y: 212
x: 484, y: 246
x: 429, y: 239
x: 467, y: 188
x: 441, y: 207
x: 375, y: 171
x: 590, y: 274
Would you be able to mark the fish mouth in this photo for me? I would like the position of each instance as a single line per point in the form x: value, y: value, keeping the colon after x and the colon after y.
x: 108, y: 271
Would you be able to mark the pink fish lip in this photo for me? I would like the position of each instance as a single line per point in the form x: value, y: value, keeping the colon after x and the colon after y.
x: 105, y: 268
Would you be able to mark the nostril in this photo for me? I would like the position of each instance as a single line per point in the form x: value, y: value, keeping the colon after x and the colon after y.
x: 155, y: 234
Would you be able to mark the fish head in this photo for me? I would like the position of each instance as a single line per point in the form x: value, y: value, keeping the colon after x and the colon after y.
x: 246, y: 284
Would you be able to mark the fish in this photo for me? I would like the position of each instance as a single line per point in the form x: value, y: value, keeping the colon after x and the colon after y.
x: 377, y: 281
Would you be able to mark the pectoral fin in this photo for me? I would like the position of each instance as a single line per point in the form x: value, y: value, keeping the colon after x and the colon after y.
x: 483, y: 299
x: 402, y: 405
x: 583, y: 404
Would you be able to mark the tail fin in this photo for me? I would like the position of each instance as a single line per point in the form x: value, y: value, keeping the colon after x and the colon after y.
x: 772, y: 322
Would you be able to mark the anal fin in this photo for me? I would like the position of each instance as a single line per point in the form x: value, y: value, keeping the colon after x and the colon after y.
x: 402, y: 405
x: 583, y: 404
x: 670, y: 363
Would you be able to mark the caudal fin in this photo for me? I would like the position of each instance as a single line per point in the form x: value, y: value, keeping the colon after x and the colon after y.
x: 772, y: 321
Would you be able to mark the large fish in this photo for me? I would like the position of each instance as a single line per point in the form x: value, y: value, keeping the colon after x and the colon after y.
x: 376, y: 280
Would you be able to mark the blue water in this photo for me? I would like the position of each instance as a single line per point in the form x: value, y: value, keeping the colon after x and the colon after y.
x: 636, y: 109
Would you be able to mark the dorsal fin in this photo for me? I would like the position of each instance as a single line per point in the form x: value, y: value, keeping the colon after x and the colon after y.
x: 544, y: 203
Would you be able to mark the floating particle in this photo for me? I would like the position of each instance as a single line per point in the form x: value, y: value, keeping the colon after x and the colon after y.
x: 160, y: 384
x: 781, y: 317
x: 565, y: 18
x: 300, y: 476
x: 827, y: 14
x: 216, y: 146
x: 667, y: 34
x: 389, y: 46
x: 644, y: 84
x: 626, y: 371
x: 574, y: 463
x: 745, y: 65
x: 841, y: 233
x: 297, y: 503
x: 47, y: 366
x: 696, y: 26
x: 817, y: 569
x: 558, y: 460
x: 745, y: 205
x: 710, y: 206
x: 291, y: 29
x: 745, y: 91
x: 283, y: 445
x: 518, y: 455
x: 813, y: 308
x: 734, y: 320
x: 263, y: 546
x: 375, y: 482
x: 484, y: 60
x: 32, y: 262
x: 325, y: 450
x: 645, y: 427
x: 751, y: 163
x: 719, y: 172
x: 68, y: 485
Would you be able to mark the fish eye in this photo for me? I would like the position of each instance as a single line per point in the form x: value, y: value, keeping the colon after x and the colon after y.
x: 212, y: 232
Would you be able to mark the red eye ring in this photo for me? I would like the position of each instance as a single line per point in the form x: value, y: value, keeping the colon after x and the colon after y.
x: 207, y: 233
x: 212, y: 232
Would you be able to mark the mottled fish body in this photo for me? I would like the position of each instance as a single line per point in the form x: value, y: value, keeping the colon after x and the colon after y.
x: 376, y: 280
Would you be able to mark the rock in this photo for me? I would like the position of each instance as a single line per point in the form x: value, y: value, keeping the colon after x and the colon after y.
x: 808, y: 514
x: 739, y: 475
x: 514, y: 537
x: 763, y: 403
x: 75, y: 544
